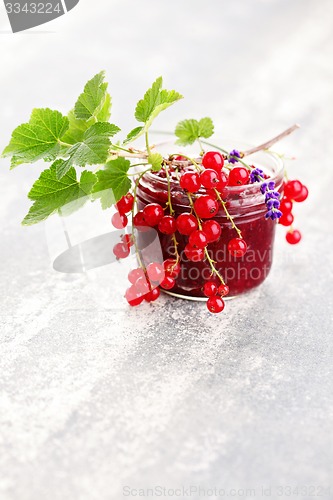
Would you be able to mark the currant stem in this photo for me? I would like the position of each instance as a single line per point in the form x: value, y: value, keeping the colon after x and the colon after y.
x: 212, y: 266
x: 174, y: 239
x: 208, y: 257
x: 193, y: 209
x: 226, y: 211
x: 137, y: 250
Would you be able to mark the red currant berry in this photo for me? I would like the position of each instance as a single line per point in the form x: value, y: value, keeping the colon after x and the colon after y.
x: 237, y: 247
x: 171, y: 268
x: 292, y: 189
x: 286, y: 219
x: 209, y: 178
x: 194, y: 254
x: 190, y: 181
x: 186, y: 223
x: 293, y: 237
x: 133, y: 297
x: 167, y: 224
x: 205, y: 206
x: 119, y: 221
x: 135, y: 274
x: 223, y: 290
x: 213, y: 160
x: 238, y: 176
x: 209, y: 289
x: 155, y: 272
x: 180, y: 158
x: 127, y: 240
x: 152, y: 214
x: 303, y: 195
x: 121, y: 251
x: 167, y: 283
x: 223, y: 181
x: 286, y: 205
x: 215, y: 304
x: 125, y: 204
x: 153, y: 295
x: 140, y: 223
x: 198, y: 239
x: 212, y: 230
x: 142, y: 285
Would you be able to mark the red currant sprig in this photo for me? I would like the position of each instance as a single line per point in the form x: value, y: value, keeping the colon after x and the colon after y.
x: 294, y: 191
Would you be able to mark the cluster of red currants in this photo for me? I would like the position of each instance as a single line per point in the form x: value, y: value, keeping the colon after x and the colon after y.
x: 145, y: 283
x: 294, y: 191
x: 198, y: 224
x: 215, y: 292
x: 119, y: 221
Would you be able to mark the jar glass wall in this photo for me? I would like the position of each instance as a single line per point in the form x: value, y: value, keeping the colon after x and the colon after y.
x: 247, y: 206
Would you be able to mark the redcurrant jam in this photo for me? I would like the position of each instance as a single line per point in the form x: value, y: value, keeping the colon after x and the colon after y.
x: 246, y: 205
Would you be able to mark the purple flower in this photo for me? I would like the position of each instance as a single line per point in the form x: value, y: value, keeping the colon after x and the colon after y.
x: 273, y: 214
x: 256, y: 175
x: 272, y: 197
x: 232, y: 154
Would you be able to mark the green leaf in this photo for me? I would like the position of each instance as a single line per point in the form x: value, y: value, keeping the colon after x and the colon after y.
x: 134, y: 134
x: 188, y: 131
x: 113, y: 182
x: 105, y: 112
x: 155, y: 160
x: 154, y: 101
x: 77, y: 127
x: 206, y: 127
x: 92, y: 150
x: 94, y: 102
x: 50, y: 194
x: 37, y: 139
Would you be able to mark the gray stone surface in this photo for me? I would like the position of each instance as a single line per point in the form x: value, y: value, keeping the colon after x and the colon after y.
x: 94, y: 396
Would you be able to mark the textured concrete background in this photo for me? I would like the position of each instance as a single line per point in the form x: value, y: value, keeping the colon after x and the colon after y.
x: 94, y: 396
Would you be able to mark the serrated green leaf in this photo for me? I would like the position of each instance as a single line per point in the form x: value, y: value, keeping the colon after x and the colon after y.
x: 113, y: 182
x: 145, y: 106
x: 37, y: 139
x: 51, y: 194
x: 155, y: 160
x: 188, y: 131
x: 206, y: 127
x: 76, y: 128
x: 92, y: 150
x: 154, y: 101
x: 94, y: 102
x: 134, y: 134
x: 167, y: 98
x: 105, y: 112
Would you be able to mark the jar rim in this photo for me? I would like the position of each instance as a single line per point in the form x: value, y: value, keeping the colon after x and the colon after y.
x: 277, y: 173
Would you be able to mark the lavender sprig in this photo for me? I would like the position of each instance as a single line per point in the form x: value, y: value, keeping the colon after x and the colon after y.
x: 272, y: 200
x: 272, y: 197
x: 233, y: 155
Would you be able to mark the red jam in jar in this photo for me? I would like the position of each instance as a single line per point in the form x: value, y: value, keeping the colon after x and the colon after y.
x: 246, y: 205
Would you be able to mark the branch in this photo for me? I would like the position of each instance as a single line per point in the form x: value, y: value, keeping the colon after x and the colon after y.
x: 268, y: 144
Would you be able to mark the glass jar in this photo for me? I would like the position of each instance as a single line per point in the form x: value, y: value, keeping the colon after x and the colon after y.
x: 247, y: 206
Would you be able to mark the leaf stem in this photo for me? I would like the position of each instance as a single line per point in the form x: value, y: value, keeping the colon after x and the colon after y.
x: 147, y: 142
x: 65, y: 144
